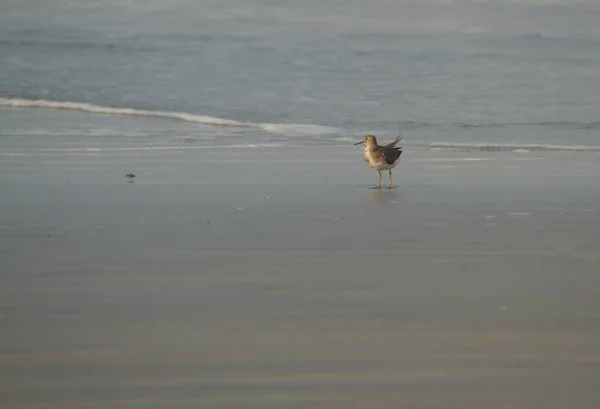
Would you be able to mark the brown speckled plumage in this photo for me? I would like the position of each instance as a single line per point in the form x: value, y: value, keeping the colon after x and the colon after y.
x: 381, y: 157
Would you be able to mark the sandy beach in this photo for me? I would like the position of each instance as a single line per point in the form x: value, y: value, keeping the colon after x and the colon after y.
x: 249, y: 265
x: 273, y: 277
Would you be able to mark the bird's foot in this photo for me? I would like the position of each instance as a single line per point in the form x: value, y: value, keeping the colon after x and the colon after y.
x: 376, y: 187
x: 390, y: 187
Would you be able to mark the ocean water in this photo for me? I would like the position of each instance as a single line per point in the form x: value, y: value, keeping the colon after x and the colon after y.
x: 449, y: 74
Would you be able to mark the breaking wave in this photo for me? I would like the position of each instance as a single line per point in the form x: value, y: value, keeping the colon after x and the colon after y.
x: 284, y: 129
x: 491, y: 147
x: 546, y: 124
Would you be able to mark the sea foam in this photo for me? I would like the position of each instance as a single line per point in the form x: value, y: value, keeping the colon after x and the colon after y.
x: 275, y: 128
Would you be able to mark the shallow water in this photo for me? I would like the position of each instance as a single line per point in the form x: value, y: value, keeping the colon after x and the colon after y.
x: 487, y: 74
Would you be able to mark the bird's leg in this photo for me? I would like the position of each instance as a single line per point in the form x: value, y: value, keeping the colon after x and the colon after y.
x: 390, y: 185
x: 378, y: 185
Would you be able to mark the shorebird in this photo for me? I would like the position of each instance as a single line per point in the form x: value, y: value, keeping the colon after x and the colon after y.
x: 381, y: 157
x: 130, y: 175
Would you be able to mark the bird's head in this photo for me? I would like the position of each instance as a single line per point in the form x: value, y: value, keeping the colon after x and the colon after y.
x: 368, y: 140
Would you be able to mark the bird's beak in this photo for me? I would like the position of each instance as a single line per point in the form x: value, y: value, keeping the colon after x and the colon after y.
x: 359, y: 143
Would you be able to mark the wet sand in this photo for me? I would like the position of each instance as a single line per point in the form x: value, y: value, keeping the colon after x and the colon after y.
x: 262, y: 278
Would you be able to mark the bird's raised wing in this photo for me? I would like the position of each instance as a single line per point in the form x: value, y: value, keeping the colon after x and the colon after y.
x: 396, y: 141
